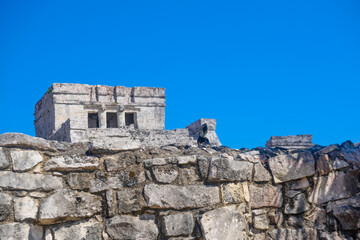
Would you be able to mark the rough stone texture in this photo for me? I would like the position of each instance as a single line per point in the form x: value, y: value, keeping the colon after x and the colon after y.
x: 119, y: 162
x: 323, y: 164
x: 183, y: 160
x: 292, y: 166
x: 130, y: 200
x: 261, y: 174
x: 227, y: 169
x: 316, y: 218
x: 72, y: 163
x: 265, y: 196
x: 5, y: 206
x: 291, y: 142
x: 83, y: 230
x: 25, y: 160
x: 28, y: 181
x: 232, y: 193
x: 4, y: 161
x: 348, y: 217
x: 297, y: 204
x: 165, y: 174
x: 25, y: 208
x: 261, y: 222
x: 289, y: 234
x: 128, y: 227
x: 180, y: 224
x: 227, y: 223
x: 339, y: 164
x: 66, y: 205
x: 179, y: 197
x: 20, y: 231
x: 79, y: 181
x: 25, y: 141
x: 249, y: 156
x: 203, y: 166
x: 336, y: 185
x: 298, y: 184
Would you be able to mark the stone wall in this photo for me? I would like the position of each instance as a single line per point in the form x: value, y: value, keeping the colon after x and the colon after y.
x: 58, y: 190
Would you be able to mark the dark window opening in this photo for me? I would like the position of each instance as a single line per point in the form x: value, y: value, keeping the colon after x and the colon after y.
x: 111, y: 120
x: 93, y: 120
x: 129, y: 119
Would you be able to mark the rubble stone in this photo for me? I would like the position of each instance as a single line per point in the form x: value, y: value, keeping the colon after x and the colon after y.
x: 165, y: 174
x: 25, y: 141
x: 79, y: 181
x: 265, y: 196
x: 323, y: 164
x: 348, y: 217
x: 298, y: 184
x: 72, y: 163
x: 316, y: 218
x: 4, y: 161
x: 90, y: 230
x: 232, y: 192
x: 180, y: 224
x: 25, y: 208
x: 130, y: 200
x: 261, y: 222
x: 20, y: 231
x: 25, y: 160
x: 261, y: 174
x: 296, y: 205
x: 5, y: 206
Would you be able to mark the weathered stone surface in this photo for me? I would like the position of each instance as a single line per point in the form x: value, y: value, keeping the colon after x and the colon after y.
x: 180, y: 224
x: 292, y: 166
x: 130, y: 200
x: 179, y: 197
x: 336, y: 185
x: 265, y: 196
x: 165, y: 174
x: 232, y: 193
x: 28, y: 181
x: 291, y: 141
x: 203, y: 166
x: 90, y: 230
x: 289, y: 234
x: 348, y: 217
x: 120, y: 162
x: 350, y: 152
x: 159, y: 161
x: 111, y: 208
x: 188, y: 176
x: 261, y: 222
x: 113, y: 145
x: 37, y: 194
x: 226, y: 223
x: 128, y: 227
x: 227, y: 169
x: 276, y: 219
x: 25, y: 160
x: 316, y: 218
x: 249, y: 156
x: 25, y: 208
x: 20, y: 231
x: 298, y: 184
x: 66, y: 205
x: 323, y: 164
x: 339, y: 164
x: 4, y: 161
x: 353, y: 202
x: 25, y: 141
x: 261, y: 174
x: 327, y: 149
x: 5, y: 206
x: 297, y: 204
x: 72, y: 163
x: 332, y: 236
x: 183, y: 160
x: 79, y: 181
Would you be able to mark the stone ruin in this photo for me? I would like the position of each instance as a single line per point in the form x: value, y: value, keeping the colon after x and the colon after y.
x: 66, y: 190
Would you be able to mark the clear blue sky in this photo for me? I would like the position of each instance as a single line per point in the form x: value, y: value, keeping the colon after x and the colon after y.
x: 261, y: 68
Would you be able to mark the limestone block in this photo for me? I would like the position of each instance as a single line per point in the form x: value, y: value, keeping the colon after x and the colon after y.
x: 130, y: 200
x: 316, y: 218
x: 129, y: 227
x: 227, y: 169
x: 261, y: 174
x: 188, y: 176
x: 25, y: 160
x: 291, y: 142
x: 297, y: 204
x: 79, y: 181
x: 332, y: 236
x: 336, y: 185
x: 292, y: 166
x: 113, y: 145
x: 5, y: 206
x: 66, y: 205
x: 232, y: 193
x: 203, y: 166
x: 37, y: 194
x: 265, y: 196
x: 348, y: 217
x: 288, y: 234
x: 180, y: 224
x: 72, y: 163
x: 28, y: 181
x: 90, y: 230
x: 119, y: 162
x: 226, y: 223
x: 327, y: 149
x: 339, y: 164
x: 323, y: 164
x: 261, y: 222
x: 183, y: 160
x: 4, y: 162
x: 250, y: 156
x: 180, y: 197
x: 159, y: 161
x: 298, y: 184
x: 25, y: 141
x: 25, y: 208
x: 20, y: 231
x: 110, y: 203
x: 165, y: 174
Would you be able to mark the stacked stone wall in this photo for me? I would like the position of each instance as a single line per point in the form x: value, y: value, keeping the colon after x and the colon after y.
x: 58, y: 190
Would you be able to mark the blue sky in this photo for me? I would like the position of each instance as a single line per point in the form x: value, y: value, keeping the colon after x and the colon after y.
x: 261, y: 68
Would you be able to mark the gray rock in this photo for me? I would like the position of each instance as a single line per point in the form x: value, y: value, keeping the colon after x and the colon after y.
x: 203, y: 166
x: 296, y: 204
x: 187, y: 176
x: 159, y: 161
x: 348, y: 217
x: 120, y: 162
x: 327, y: 149
x: 295, y: 221
x: 25, y: 208
x: 4, y: 161
x: 353, y: 202
x: 25, y: 160
x: 180, y: 197
x: 90, y: 230
x: 287, y: 234
x: 323, y: 164
x: 184, y: 160
x: 336, y: 185
x: 232, y: 193
x: 79, y: 181
x: 316, y: 218
x: 298, y: 184
x: 111, y: 208
x: 72, y: 163
x: 37, y: 194
x: 5, y: 206
x: 265, y: 196
x: 165, y: 174
x: 261, y: 222
x: 130, y: 200
x: 250, y: 156
x: 339, y: 164
x: 129, y: 227
x: 20, y: 231
x: 180, y: 224
x: 28, y: 181
x: 332, y: 236
x: 65, y: 205
x: 25, y: 141
x: 113, y: 145
x: 292, y: 166
x: 227, y: 169
x: 226, y: 223
x: 261, y: 174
